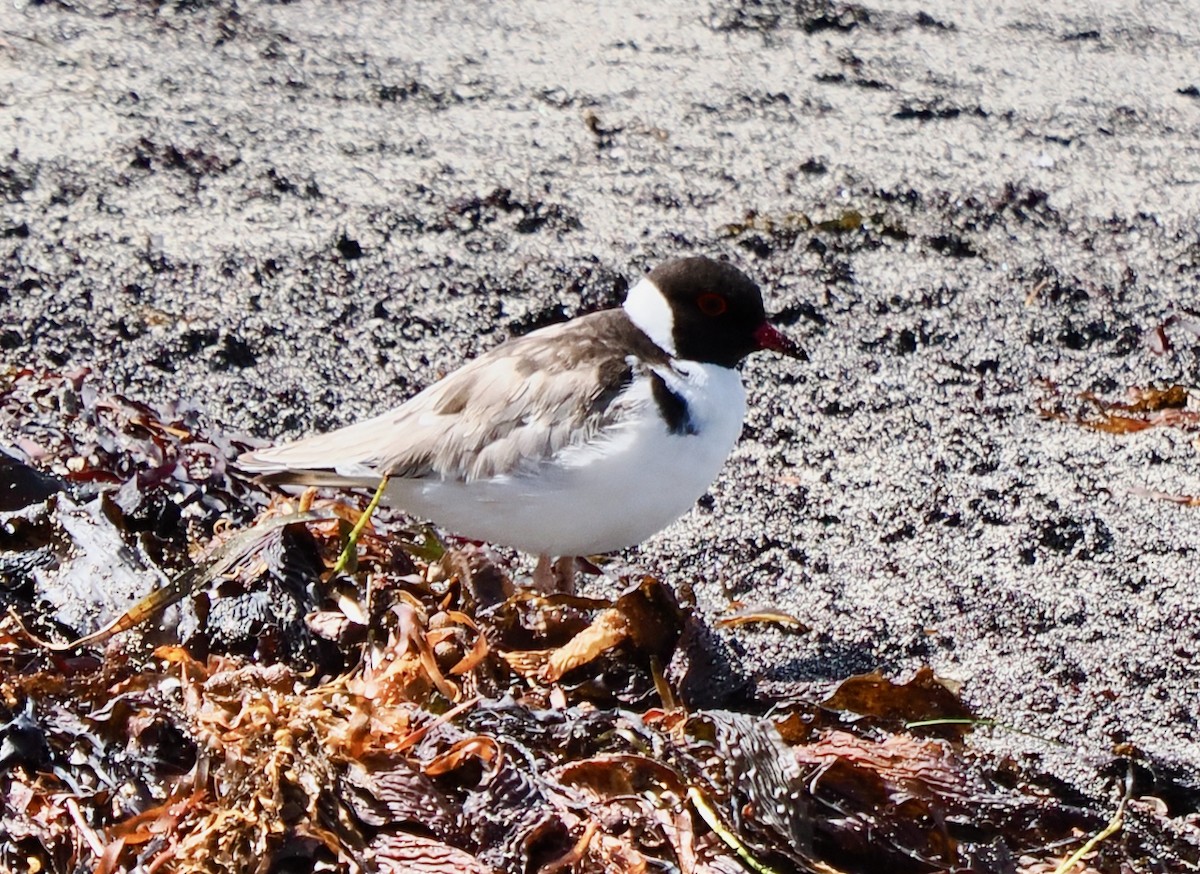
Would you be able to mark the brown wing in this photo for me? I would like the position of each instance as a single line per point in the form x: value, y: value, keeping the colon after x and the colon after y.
x: 512, y: 407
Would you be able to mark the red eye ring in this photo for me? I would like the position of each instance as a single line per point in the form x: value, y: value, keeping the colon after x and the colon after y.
x: 712, y: 304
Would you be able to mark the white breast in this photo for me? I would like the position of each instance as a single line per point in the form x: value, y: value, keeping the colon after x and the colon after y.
x: 605, y: 495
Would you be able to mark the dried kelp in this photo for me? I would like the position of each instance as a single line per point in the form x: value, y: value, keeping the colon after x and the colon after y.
x: 422, y: 713
x: 1146, y: 408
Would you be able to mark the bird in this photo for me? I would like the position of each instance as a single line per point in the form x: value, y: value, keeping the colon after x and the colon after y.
x: 577, y: 439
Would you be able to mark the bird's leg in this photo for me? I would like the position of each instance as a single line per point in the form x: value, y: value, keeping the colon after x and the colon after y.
x: 564, y: 574
x: 543, y: 575
x: 555, y: 577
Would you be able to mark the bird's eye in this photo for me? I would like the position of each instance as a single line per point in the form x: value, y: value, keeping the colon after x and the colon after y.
x: 711, y: 304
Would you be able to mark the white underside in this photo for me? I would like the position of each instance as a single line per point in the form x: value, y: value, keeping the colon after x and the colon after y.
x: 604, y: 495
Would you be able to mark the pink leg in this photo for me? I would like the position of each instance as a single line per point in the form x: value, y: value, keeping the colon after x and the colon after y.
x: 555, y: 577
x: 543, y: 576
x: 564, y: 574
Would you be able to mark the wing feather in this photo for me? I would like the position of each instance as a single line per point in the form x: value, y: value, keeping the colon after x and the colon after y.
x: 508, y: 410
